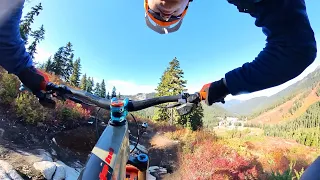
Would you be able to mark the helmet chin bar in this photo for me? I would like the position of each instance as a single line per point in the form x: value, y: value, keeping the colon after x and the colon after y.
x: 161, y: 29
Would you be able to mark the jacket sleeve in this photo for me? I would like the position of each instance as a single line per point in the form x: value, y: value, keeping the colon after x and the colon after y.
x: 290, y: 47
x: 312, y: 172
x: 13, y: 55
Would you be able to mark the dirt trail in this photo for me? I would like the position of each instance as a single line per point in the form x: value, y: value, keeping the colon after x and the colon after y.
x: 163, y: 152
x: 162, y: 142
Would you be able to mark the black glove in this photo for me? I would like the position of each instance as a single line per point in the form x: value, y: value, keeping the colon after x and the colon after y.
x: 214, y: 92
x: 33, y: 79
x: 36, y: 82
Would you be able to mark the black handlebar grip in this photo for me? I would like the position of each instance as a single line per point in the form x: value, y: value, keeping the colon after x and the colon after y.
x: 103, y: 103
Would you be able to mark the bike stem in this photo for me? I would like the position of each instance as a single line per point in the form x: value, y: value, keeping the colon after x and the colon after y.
x: 118, y: 111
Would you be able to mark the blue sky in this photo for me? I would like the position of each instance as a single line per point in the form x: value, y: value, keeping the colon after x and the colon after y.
x: 114, y: 43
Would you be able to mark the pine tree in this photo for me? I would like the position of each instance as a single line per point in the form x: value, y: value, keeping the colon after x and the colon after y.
x: 194, y: 119
x: 83, y: 82
x: 90, y: 85
x: 25, y: 24
x: 114, y: 93
x: 172, y: 83
x: 58, y: 63
x: 48, y: 66
x: 108, y: 95
x: 75, y: 77
x: 97, y: 89
x: 68, y: 55
x: 38, y: 36
x: 92, y: 82
x: 103, y: 89
x: 63, y: 62
x: 41, y: 66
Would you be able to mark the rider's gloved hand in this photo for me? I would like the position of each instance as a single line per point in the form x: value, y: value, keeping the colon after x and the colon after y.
x: 36, y: 81
x: 214, y: 92
x: 33, y: 79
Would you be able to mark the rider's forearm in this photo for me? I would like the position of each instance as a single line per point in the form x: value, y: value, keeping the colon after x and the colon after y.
x: 273, y: 66
x: 13, y: 55
x: 290, y: 49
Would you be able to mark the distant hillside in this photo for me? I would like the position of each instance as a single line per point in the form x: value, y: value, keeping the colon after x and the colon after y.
x: 141, y: 96
x: 292, y: 102
x: 261, y: 104
x: 215, y: 110
x: 244, y: 107
x: 230, y: 103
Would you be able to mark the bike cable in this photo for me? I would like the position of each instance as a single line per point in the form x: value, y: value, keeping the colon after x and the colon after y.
x: 97, y: 119
x: 138, y: 133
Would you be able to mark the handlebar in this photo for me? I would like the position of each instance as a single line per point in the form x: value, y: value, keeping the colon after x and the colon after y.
x: 66, y: 92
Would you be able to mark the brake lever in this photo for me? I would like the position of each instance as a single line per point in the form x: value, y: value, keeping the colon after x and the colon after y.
x: 47, y: 102
x: 188, y: 102
x: 59, y: 96
x: 44, y: 98
x: 181, y: 101
x: 194, y: 98
x: 173, y: 105
x: 62, y: 93
x: 185, y: 109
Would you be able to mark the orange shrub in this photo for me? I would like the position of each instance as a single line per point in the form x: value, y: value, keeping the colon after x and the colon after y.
x: 69, y: 110
x: 281, y: 162
x: 216, y: 161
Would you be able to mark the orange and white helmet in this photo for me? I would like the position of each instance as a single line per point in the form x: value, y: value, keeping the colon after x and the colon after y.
x: 160, y: 25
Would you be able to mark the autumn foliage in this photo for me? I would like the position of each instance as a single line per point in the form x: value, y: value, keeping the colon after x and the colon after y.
x: 28, y: 108
x: 204, y: 157
x: 70, y: 110
x: 216, y: 161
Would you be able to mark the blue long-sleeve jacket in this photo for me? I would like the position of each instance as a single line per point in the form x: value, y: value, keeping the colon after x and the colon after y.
x: 13, y: 55
x: 290, y: 47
